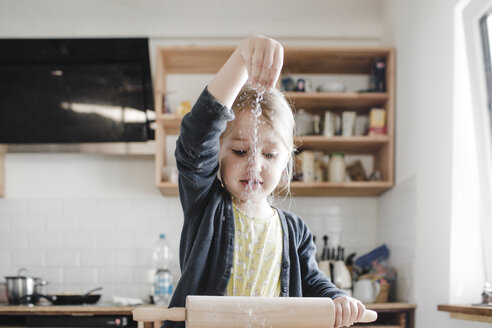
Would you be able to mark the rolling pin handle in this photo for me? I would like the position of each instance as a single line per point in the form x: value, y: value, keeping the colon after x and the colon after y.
x: 369, y: 316
x: 148, y: 314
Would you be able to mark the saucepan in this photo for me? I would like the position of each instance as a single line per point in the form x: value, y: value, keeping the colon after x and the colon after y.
x: 22, y: 289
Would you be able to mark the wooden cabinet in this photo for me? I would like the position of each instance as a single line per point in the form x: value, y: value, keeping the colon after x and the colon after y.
x: 298, y: 61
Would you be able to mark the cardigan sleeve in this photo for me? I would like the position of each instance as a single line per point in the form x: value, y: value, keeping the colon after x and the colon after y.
x: 197, y: 149
x: 314, y: 282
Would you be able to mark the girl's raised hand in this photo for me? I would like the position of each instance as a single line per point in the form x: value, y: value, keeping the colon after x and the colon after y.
x: 258, y: 59
x: 263, y: 58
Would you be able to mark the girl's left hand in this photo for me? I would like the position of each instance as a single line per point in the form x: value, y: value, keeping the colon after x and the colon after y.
x: 348, y: 311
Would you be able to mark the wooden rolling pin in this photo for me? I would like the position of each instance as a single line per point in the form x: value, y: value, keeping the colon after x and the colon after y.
x: 244, y: 311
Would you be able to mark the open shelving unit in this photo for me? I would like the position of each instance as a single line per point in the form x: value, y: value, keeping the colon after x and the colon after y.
x: 297, y: 60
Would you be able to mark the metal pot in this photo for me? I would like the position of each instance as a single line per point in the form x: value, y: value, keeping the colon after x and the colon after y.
x: 22, y: 289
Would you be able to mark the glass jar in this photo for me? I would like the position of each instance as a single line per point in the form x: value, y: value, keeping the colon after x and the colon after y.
x: 337, y: 167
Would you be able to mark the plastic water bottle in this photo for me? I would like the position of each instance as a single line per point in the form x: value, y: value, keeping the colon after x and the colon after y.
x: 163, y: 278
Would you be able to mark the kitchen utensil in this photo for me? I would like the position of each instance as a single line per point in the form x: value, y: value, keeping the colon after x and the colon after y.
x: 341, y: 276
x: 324, y: 267
x: 22, y: 289
x: 324, y: 264
x: 366, y: 290
x: 245, y: 311
x: 74, y: 299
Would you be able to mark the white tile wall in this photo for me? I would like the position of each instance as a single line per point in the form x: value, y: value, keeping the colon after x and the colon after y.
x: 349, y: 222
x: 399, y: 233
x: 78, y: 244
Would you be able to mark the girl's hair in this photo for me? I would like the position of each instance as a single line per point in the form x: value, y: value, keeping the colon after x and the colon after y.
x: 279, y: 114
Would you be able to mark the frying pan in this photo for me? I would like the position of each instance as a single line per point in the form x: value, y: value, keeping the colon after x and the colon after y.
x: 75, y: 299
x: 245, y: 311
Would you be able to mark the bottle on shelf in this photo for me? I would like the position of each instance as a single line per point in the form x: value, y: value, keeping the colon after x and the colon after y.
x: 163, y: 278
x: 337, y: 167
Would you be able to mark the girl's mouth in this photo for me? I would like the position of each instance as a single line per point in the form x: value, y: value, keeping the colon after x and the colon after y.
x: 253, y: 183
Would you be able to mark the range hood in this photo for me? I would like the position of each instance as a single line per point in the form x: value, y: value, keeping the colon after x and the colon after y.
x: 76, y: 95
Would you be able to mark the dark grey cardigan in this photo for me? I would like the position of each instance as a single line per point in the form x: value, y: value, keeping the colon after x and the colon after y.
x: 207, y: 238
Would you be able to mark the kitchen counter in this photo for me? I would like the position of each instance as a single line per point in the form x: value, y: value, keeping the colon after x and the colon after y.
x: 75, y: 310
x: 127, y: 310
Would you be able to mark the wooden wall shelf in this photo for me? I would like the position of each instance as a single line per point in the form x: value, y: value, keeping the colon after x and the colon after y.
x: 468, y: 312
x: 298, y: 60
x: 322, y: 100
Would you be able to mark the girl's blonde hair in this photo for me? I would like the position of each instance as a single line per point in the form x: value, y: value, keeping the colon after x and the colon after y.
x: 279, y: 114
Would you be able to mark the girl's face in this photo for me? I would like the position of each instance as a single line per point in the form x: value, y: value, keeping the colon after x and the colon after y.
x: 251, y: 174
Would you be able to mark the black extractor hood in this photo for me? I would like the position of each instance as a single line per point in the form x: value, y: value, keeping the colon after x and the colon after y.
x: 71, y: 91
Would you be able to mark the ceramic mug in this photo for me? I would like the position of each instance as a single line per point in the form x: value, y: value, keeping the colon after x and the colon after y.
x: 366, y: 290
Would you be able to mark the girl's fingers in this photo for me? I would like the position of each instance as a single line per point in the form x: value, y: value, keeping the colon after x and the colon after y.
x: 353, y: 313
x: 268, y: 57
x: 345, y: 313
x: 361, y: 311
x: 278, y: 62
x: 338, y: 315
x: 256, y: 64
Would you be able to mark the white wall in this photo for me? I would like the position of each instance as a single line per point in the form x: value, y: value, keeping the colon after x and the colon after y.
x: 82, y: 220
x: 336, y: 19
x: 423, y: 34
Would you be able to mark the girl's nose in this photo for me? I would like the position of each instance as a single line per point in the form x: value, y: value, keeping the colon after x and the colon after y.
x: 255, y: 165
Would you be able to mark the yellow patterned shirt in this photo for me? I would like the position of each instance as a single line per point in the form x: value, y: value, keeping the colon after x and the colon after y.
x: 257, y: 256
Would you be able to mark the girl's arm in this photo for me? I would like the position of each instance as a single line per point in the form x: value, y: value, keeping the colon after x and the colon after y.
x: 348, y: 310
x: 197, y: 148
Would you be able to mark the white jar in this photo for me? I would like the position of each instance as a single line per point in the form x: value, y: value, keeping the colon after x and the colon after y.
x: 304, y: 122
x: 307, y: 158
x: 337, y: 167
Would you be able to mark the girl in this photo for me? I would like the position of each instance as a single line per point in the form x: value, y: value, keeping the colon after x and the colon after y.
x: 233, y: 241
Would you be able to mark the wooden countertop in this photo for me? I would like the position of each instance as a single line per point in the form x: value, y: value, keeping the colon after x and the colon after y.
x: 468, y: 312
x: 84, y: 310
x: 76, y: 310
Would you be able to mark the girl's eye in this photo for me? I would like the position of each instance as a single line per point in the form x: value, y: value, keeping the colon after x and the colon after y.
x: 269, y: 155
x: 239, y: 152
